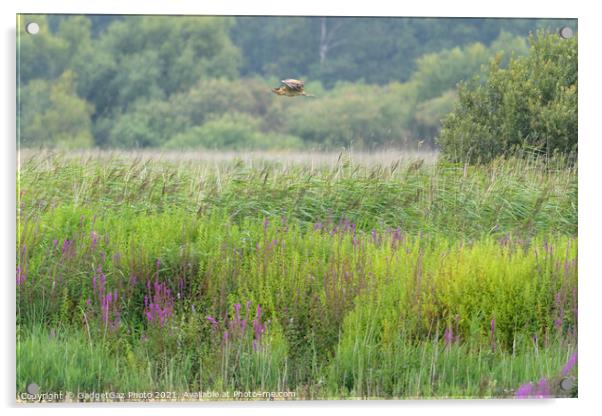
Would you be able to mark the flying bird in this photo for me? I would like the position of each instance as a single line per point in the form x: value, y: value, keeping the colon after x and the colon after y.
x: 291, y: 88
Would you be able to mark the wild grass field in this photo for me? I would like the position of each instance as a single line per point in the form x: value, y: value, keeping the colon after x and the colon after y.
x: 321, y: 276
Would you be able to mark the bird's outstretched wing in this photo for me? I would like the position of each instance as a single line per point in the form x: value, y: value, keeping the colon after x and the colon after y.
x: 293, y: 84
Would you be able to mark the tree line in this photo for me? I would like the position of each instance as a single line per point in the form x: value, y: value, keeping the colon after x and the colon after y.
x: 205, y: 81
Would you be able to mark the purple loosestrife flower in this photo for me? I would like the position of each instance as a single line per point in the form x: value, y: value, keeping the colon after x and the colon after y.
x: 271, y: 245
x: 543, y: 389
x: 147, y: 313
x: 448, y: 336
x: 158, y: 306
x: 557, y: 299
x: 570, y: 364
x: 575, y: 304
x: 492, y: 335
x: 66, y: 245
x: 344, y: 224
x: 55, y: 243
x: 212, y: 320
x: 532, y: 391
x: 102, y: 281
x: 558, y: 323
x: 235, y: 329
x: 258, y: 327
x: 21, y: 275
x: 266, y: 223
x: 94, y: 238
x: 105, y: 303
x: 559, y: 305
x: 110, y: 312
x: 237, y: 311
x: 524, y: 391
x: 258, y: 312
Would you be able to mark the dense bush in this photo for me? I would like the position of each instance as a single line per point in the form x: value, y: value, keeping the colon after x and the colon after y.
x: 531, y: 104
x: 53, y: 115
x: 356, y: 115
x: 437, y: 72
x: 216, y: 96
x: 148, y: 124
x: 427, y: 116
x: 231, y: 131
x: 152, y: 123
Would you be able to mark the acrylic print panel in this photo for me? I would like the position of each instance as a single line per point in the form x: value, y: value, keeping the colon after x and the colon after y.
x: 295, y: 208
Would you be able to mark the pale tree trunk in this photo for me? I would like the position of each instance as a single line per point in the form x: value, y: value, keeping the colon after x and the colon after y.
x: 327, y: 38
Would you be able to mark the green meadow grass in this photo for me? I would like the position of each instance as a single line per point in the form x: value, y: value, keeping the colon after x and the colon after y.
x: 338, y: 281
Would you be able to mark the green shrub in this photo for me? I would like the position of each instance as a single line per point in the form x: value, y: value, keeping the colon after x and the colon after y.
x: 148, y: 124
x: 531, y: 104
x: 231, y: 132
x: 359, y: 115
x: 428, y: 115
x: 52, y: 115
x: 213, y: 97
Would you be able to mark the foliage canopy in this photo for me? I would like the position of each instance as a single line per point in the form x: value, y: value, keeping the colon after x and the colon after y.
x: 529, y: 105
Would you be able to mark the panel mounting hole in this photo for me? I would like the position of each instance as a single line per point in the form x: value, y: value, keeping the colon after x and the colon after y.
x: 566, y: 32
x: 32, y: 28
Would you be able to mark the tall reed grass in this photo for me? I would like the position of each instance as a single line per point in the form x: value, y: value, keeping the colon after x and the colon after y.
x: 409, y: 280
